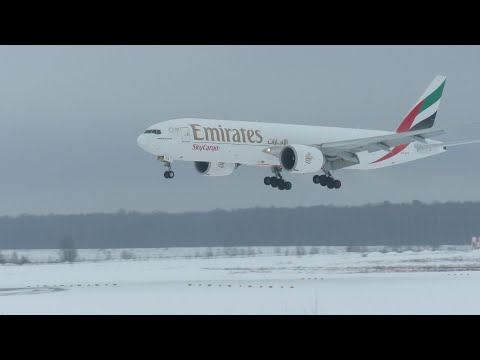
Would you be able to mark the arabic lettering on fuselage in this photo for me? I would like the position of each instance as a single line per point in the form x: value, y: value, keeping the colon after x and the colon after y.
x: 277, y: 142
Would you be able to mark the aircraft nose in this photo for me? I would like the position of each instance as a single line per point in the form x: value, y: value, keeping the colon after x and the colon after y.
x: 142, y: 141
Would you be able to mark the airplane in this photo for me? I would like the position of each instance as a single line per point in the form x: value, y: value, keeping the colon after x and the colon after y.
x: 218, y: 147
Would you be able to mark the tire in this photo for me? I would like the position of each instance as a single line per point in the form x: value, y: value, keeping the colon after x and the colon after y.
x: 316, y: 179
x: 281, y: 186
x: 267, y: 180
x: 337, y: 184
x: 323, y: 180
x: 171, y: 174
x: 288, y: 185
x: 274, y: 182
x: 330, y: 183
x: 166, y: 175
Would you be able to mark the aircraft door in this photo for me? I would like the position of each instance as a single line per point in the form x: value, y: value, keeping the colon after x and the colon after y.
x: 185, y: 133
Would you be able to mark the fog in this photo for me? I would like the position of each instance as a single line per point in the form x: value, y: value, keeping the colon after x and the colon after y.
x: 70, y: 116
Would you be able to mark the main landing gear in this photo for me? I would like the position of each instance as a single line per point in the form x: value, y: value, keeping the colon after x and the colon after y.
x: 327, y: 180
x: 277, y: 181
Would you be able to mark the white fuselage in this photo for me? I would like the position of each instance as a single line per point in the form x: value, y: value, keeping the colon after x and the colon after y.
x: 243, y: 142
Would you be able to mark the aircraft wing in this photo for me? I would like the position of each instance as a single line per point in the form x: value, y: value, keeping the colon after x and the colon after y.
x: 449, y: 144
x: 457, y: 143
x: 348, y: 148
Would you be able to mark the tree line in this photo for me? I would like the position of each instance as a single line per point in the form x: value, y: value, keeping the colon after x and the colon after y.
x: 387, y: 224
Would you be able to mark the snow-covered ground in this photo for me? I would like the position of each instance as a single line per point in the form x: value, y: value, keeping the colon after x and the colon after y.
x: 52, y: 255
x: 269, y: 282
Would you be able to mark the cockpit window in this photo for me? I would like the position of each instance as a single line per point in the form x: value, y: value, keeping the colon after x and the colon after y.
x: 158, y: 132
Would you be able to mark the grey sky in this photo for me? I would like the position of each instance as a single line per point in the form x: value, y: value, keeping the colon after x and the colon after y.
x: 70, y: 116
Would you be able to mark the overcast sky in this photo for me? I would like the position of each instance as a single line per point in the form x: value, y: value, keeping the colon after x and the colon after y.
x: 70, y: 116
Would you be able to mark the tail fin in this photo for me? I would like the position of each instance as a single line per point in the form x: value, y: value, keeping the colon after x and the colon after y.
x: 423, y: 113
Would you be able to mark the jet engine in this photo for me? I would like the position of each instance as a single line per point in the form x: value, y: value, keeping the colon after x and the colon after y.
x: 301, y: 159
x: 215, y: 169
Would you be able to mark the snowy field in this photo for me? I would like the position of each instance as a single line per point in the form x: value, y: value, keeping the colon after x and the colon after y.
x: 253, y: 281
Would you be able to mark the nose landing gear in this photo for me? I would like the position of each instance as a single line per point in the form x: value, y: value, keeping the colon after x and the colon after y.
x: 169, y: 174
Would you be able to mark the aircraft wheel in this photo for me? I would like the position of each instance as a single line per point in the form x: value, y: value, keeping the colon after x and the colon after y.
x: 337, y: 184
x: 288, y: 185
x: 323, y: 180
x: 274, y: 182
x: 267, y: 180
x: 316, y: 179
x: 330, y: 183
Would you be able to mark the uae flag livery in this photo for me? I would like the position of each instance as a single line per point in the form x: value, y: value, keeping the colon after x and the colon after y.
x: 422, y: 115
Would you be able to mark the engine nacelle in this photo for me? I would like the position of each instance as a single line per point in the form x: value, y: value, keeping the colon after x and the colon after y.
x: 214, y: 169
x: 301, y: 159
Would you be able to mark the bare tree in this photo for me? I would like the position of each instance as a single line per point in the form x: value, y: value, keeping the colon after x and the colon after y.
x: 108, y: 255
x: 127, y: 255
x: 356, y: 248
x: 14, y: 258
x: 313, y: 250
x: 209, y: 253
x: 231, y: 251
x: 2, y: 259
x: 67, y: 252
x: 24, y: 260
x: 300, y: 251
